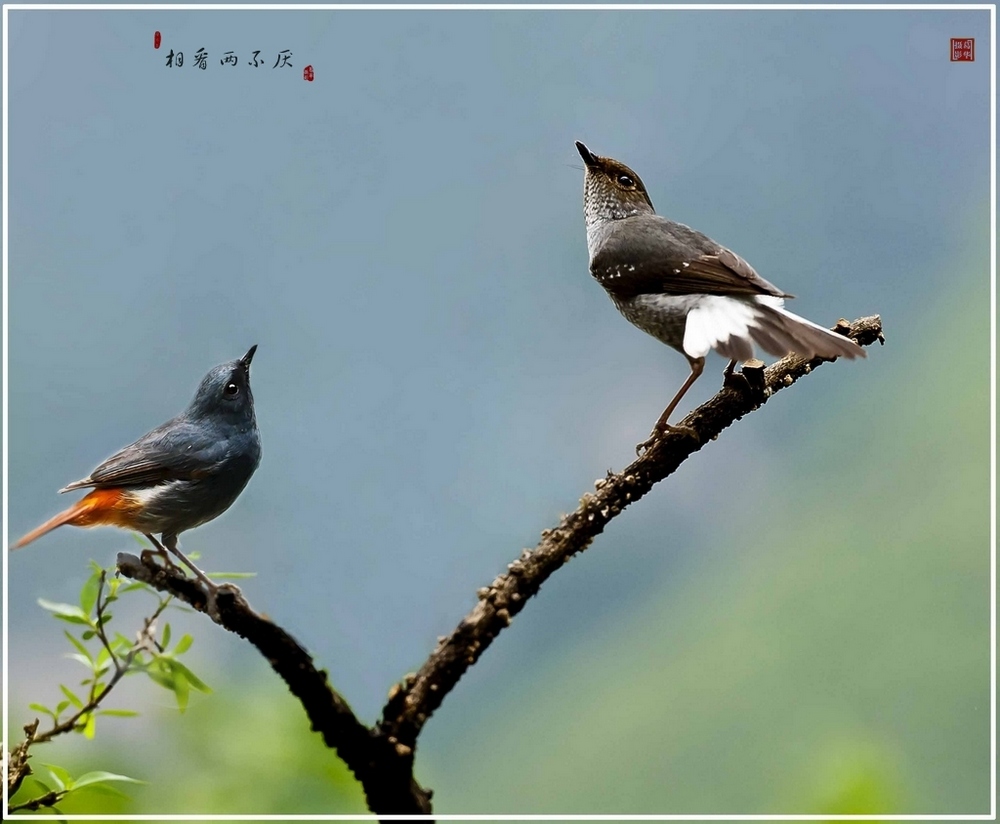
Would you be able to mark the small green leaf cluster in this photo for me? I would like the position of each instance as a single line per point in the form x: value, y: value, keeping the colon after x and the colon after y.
x: 108, y: 656
x: 168, y: 672
x: 116, y: 655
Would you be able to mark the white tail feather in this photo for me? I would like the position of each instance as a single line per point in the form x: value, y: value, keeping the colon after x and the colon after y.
x: 732, y: 326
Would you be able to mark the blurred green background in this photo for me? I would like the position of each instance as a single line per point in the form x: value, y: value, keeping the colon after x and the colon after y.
x: 796, y: 621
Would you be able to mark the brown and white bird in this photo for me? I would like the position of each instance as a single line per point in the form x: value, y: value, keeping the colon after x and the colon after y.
x: 682, y: 287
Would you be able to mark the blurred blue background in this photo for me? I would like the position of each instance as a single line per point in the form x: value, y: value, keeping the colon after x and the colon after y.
x: 797, y: 621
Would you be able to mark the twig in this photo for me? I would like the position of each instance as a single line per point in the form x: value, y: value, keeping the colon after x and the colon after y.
x: 50, y: 799
x: 102, y: 635
x: 382, y: 757
x: 17, y: 764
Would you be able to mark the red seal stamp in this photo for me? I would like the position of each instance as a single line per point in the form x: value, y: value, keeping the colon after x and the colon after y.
x: 963, y: 49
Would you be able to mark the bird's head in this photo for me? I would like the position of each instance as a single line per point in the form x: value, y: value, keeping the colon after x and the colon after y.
x: 611, y: 190
x: 224, y: 393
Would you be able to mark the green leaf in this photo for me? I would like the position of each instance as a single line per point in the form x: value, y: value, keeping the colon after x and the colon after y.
x: 61, y: 706
x: 41, y: 783
x: 76, y: 702
x: 166, y: 635
x: 176, y: 677
x: 72, y: 619
x: 67, y: 612
x: 183, y: 645
x: 133, y: 586
x: 162, y: 675
x: 60, y: 777
x: 119, y: 713
x: 99, y: 776
x: 190, y: 677
x: 107, y: 616
x: 89, y: 592
x: 73, y: 640
x: 43, y: 709
x: 85, y: 660
x: 106, y: 789
x: 89, y: 728
x: 230, y: 574
x: 88, y: 634
x: 181, y: 608
x: 181, y: 691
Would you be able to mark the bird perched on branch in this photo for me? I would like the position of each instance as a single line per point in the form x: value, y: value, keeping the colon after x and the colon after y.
x: 682, y: 287
x: 181, y: 474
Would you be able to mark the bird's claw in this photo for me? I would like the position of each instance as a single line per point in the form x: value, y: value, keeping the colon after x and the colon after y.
x: 665, y: 429
x: 647, y: 444
x: 147, y: 558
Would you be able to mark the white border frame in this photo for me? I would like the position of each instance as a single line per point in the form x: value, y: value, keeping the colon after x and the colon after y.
x: 534, y: 7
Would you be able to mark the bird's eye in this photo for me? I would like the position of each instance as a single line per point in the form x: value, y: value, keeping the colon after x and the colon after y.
x: 626, y: 181
x: 232, y: 390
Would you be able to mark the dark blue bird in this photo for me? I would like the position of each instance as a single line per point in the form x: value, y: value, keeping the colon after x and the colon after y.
x: 181, y: 474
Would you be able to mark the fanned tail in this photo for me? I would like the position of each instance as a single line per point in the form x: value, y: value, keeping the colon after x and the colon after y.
x: 778, y: 332
x: 731, y: 326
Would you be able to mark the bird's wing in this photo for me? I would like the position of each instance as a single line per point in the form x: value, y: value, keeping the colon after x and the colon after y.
x: 648, y: 254
x: 722, y: 273
x: 177, y: 450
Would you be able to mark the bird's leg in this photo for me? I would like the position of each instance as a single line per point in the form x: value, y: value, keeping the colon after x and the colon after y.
x: 158, y: 547
x: 211, y: 588
x: 697, y: 367
x: 170, y: 542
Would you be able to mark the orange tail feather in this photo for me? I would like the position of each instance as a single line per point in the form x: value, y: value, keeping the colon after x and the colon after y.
x: 102, y: 506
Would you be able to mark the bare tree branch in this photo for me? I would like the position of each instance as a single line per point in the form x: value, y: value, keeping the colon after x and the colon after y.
x: 382, y: 757
x: 408, y: 710
x: 385, y: 771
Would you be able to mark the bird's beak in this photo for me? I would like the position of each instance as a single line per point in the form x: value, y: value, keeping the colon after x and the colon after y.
x: 588, y: 157
x: 245, y: 360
